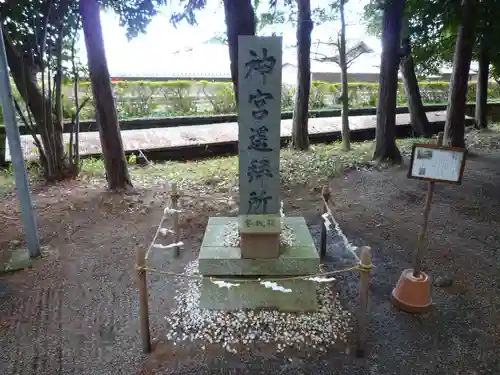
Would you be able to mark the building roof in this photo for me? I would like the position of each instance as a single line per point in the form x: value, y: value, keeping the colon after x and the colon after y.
x: 211, y: 61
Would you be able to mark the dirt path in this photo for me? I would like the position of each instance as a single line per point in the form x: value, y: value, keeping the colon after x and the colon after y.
x: 461, y: 334
x: 76, y: 311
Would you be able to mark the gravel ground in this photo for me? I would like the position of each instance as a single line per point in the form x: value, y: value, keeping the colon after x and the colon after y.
x: 76, y: 310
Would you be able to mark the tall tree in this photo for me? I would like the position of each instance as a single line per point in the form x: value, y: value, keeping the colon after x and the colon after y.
x: 481, y: 111
x: 240, y: 20
x: 487, y: 53
x: 385, y: 139
x: 34, y: 36
x: 106, y: 115
x: 300, y: 132
x: 418, y: 117
x: 343, y: 57
x: 344, y: 95
x: 454, y: 132
x: 38, y: 38
x: 433, y: 31
x: 407, y: 65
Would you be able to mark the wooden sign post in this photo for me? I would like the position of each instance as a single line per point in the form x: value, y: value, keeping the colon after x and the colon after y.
x: 432, y: 163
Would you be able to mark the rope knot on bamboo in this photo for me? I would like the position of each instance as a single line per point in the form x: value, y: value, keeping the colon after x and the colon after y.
x: 140, y: 270
x: 365, y: 267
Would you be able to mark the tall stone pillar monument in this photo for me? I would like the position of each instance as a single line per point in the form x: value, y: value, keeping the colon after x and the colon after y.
x: 259, y: 119
x: 259, y: 251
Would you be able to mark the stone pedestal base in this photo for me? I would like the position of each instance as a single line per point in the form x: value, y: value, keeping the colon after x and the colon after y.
x: 216, y: 259
x: 256, y: 296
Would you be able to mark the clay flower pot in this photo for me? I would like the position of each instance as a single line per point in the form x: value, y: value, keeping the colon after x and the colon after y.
x: 412, y: 294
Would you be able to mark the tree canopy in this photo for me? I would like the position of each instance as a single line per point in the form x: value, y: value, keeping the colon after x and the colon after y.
x: 31, y: 24
x: 431, y: 27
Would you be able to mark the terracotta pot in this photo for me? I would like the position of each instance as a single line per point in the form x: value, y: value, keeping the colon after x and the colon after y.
x: 412, y: 294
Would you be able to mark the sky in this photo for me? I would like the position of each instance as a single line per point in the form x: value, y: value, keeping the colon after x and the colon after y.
x: 154, y: 53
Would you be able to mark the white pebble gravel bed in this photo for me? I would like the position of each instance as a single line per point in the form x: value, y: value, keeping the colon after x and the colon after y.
x: 316, y: 330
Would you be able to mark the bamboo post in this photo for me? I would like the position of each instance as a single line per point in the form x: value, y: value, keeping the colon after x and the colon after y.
x: 174, y: 196
x: 365, y: 264
x: 427, y: 209
x: 325, y: 192
x: 143, y: 299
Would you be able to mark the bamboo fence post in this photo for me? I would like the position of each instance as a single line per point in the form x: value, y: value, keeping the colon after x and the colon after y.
x: 174, y: 196
x: 325, y: 193
x: 365, y: 264
x: 143, y: 299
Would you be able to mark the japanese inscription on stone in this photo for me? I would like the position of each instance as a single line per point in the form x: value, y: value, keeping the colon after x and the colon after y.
x: 260, y: 223
x: 259, y: 117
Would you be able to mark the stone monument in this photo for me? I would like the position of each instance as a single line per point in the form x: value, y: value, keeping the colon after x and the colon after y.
x: 259, y: 243
x: 259, y: 119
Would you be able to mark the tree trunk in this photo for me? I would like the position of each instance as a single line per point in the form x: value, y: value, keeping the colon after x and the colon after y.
x: 57, y: 97
x: 344, y: 97
x: 106, y: 116
x: 418, y: 117
x: 454, y: 131
x: 482, y: 86
x: 300, y: 130
x: 240, y: 20
x: 52, y: 156
x: 385, y: 140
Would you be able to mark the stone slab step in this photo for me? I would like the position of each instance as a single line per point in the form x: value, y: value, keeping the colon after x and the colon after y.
x: 217, y: 259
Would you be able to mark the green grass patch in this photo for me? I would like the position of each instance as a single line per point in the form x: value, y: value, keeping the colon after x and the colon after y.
x: 320, y: 163
x: 326, y: 160
x: 7, y: 182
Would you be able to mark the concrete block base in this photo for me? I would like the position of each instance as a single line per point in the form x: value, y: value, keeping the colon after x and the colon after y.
x: 220, y: 260
x: 256, y: 296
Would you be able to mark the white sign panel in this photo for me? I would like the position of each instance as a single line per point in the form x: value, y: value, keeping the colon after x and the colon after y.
x: 259, y: 119
x: 437, y: 163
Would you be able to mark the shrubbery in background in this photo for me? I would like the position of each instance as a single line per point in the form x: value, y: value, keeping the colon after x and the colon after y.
x: 137, y: 99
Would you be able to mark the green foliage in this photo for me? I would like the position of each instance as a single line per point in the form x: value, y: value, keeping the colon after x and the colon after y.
x: 188, y: 11
x: 136, y: 99
x: 180, y: 98
x: 34, y: 27
x: 318, y: 94
x: 132, y: 159
x: 430, y: 26
x: 432, y: 29
x: 221, y: 97
x: 287, y: 96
